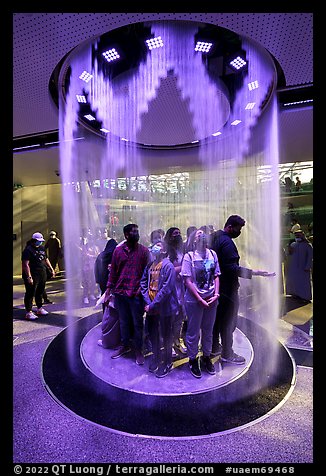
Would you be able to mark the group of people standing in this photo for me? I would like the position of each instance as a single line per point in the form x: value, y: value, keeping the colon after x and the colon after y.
x: 188, y: 292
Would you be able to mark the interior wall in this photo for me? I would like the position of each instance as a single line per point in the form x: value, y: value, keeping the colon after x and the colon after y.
x: 36, y: 208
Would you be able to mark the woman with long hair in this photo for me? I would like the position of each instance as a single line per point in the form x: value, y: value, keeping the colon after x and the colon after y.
x: 200, y: 270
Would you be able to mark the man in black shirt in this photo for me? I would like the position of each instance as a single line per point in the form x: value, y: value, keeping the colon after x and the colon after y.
x: 34, y: 262
x: 227, y: 310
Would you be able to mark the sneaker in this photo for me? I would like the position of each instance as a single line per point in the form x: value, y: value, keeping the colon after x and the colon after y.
x: 163, y: 371
x: 86, y: 300
x: 41, y: 312
x: 194, y: 367
x: 216, y: 350
x: 30, y: 316
x: 47, y: 301
x: 140, y: 360
x: 153, y: 366
x: 174, y: 354
x: 208, y: 365
x: 92, y: 297
x: 181, y: 346
x: 121, y: 350
x: 234, y: 359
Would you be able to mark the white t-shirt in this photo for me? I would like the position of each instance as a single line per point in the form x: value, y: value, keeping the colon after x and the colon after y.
x: 203, y: 272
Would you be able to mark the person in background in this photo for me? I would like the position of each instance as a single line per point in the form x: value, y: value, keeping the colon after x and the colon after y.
x: 129, y: 260
x: 54, y: 252
x: 89, y: 253
x: 201, y: 271
x: 158, y: 287
x: 208, y: 230
x: 227, y: 311
x: 174, y: 247
x: 102, y: 264
x: 53, y: 249
x: 299, y: 268
x: 310, y: 234
x: 45, y: 297
x: 290, y: 214
x: 102, y: 238
x: 189, y: 230
x: 295, y: 225
x: 288, y: 184
x: 34, y: 262
x: 298, y: 184
x: 155, y: 236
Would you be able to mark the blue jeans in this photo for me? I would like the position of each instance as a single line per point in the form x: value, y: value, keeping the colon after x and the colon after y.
x: 131, y: 311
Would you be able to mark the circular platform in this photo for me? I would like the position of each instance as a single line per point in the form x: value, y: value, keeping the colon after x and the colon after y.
x: 124, y: 397
x: 124, y: 373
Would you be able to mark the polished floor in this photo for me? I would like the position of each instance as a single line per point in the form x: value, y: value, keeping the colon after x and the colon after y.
x: 288, y: 429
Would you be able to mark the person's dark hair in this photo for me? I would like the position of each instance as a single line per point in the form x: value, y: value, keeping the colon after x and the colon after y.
x: 110, y: 246
x: 208, y: 230
x: 205, y: 229
x: 190, y: 241
x: 127, y: 228
x: 156, y: 235
x: 170, y: 247
x: 190, y: 229
x: 235, y: 220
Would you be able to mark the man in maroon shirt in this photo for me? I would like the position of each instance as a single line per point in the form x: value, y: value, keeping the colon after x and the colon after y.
x: 129, y: 260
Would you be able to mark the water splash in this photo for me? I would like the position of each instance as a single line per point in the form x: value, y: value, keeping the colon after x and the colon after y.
x: 235, y: 172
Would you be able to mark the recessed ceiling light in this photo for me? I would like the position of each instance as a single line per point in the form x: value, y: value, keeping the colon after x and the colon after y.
x: 111, y: 55
x: 153, y: 43
x: 203, y: 46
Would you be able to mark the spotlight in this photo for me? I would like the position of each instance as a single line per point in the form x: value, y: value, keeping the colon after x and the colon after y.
x: 237, y: 61
x: 153, y: 43
x: 203, y: 46
x: 253, y: 85
x: 81, y: 98
x: 111, y: 55
x: 89, y: 117
x: 85, y: 76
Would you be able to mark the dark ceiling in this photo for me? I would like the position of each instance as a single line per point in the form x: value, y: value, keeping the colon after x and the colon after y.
x: 42, y: 40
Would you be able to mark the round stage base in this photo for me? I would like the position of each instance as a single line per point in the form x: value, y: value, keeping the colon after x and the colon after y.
x: 124, y: 397
x: 124, y: 373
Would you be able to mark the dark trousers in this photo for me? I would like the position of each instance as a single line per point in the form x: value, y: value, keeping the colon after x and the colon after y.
x: 226, y: 322
x: 34, y: 290
x: 178, y: 324
x: 161, y: 335
x: 131, y: 311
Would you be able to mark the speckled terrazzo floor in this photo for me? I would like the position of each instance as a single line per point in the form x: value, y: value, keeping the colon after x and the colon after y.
x: 47, y: 432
